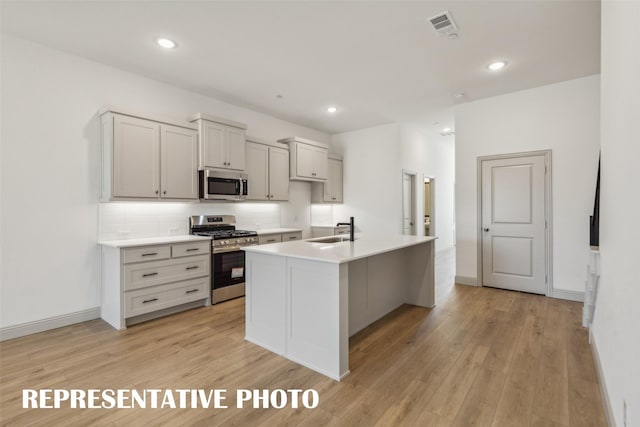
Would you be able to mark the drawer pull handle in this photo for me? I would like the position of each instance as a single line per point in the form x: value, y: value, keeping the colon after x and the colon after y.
x: 193, y: 267
x: 150, y: 254
x: 271, y: 240
x: 149, y: 274
x: 149, y: 300
x: 193, y: 249
x: 190, y: 291
x: 293, y: 237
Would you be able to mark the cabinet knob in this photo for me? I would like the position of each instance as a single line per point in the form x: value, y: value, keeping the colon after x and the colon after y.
x: 157, y: 191
x: 271, y: 196
x: 267, y: 196
x: 164, y: 192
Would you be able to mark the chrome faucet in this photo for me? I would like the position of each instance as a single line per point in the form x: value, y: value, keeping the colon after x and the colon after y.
x: 351, y: 228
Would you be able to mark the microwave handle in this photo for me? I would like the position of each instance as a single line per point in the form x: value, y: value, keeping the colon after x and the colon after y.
x: 245, y: 187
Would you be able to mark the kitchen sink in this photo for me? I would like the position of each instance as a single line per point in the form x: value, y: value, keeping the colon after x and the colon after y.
x: 332, y: 239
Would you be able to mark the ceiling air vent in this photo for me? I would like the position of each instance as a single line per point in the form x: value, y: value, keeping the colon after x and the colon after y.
x: 443, y: 24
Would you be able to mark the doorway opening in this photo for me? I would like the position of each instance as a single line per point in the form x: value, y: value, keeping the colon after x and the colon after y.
x: 429, y: 206
x: 409, y: 204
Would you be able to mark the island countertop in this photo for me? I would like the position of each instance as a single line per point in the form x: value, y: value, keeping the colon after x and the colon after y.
x: 364, y: 246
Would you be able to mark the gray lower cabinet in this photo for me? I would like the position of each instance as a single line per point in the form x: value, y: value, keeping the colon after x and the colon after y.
x: 144, y: 282
x: 279, y: 237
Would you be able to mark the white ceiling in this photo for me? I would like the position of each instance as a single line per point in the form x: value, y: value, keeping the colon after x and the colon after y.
x: 378, y: 61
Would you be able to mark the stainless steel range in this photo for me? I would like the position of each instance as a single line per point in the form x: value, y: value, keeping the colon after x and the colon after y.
x: 227, y: 259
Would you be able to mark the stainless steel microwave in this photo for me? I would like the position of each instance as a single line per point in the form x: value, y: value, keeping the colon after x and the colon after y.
x: 219, y: 185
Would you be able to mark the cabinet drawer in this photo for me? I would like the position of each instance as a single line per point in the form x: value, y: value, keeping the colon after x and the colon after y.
x: 296, y: 235
x: 146, y: 253
x: 269, y: 238
x: 154, y: 273
x: 188, y: 249
x: 147, y: 300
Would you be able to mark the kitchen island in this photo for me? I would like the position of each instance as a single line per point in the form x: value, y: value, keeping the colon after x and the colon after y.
x: 304, y: 299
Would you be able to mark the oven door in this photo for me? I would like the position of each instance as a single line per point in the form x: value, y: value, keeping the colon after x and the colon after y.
x: 227, y: 279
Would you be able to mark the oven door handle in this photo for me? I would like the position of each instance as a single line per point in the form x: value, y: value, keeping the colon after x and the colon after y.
x: 229, y: 249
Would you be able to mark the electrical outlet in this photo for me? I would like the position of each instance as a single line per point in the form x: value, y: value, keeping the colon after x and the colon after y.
x: 173, y: 230
x: 624, y: 413
x: 123, y: 234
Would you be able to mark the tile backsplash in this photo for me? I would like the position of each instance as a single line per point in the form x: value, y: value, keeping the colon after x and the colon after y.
x: 131, y: 220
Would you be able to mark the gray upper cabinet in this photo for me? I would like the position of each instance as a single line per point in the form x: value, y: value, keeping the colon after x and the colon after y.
x: 331, y: 190
x: 222, y: 142
x: 179, y: 157
x: 147, y: 159
x: 136, y: 157
x: 278, y: 173
x: 268, y: 170
x: 307, y: 159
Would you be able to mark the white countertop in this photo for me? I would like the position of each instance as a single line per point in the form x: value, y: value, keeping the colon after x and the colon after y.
x: 147, y: 241
x: 277, y: 231
x: 364, y: 246
x: 329, y: 226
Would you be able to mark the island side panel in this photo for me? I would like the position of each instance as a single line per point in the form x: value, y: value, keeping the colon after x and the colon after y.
x: 359, y: 317
x: 112, y: 310
x: 317, y: 310
x: 420, y: 270
x: 265, y: 301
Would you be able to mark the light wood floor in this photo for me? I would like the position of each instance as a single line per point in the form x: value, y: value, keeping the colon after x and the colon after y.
x: 482, y: 357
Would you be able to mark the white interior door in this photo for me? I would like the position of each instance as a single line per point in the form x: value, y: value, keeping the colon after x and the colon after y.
x: 408, y: 203
x: 513, y: 224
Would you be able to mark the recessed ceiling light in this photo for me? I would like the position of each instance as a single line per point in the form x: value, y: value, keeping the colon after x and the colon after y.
x: 445, y: 130
x: 459, y: 95
x: 498, y: 65
x: 332, y: 109
x: 166, y: 43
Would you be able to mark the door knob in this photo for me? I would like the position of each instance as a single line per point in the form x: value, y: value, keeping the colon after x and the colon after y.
x: 486, y: 229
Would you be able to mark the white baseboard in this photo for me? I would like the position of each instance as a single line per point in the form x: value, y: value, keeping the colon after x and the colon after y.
x: 466, y: 280
x: 608, y: 412
x: 568, y: 295
x: 10, y: 332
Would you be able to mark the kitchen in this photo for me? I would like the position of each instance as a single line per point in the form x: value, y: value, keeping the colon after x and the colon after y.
x: 63, y: 92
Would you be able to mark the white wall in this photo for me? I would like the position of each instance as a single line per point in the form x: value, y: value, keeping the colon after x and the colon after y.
x: 371, y: 178
x: 617, y: 313
x: 373, y: 162
x: 51, y: 172
x: 563, y: 117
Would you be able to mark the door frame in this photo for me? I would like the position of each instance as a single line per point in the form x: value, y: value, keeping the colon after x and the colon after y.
x: 414, y: 202
x: 548, y: 212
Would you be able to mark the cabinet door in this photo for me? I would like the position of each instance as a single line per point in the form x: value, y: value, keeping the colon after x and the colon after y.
x: 235, y: 148
x: 214, y: 138
x: 320, y: 162
x: 258, y: 171
x: 278, y: 173
x: 333, y: 186
x: 136, y: 157
x: 304, y: 160
x: 179, y: 157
